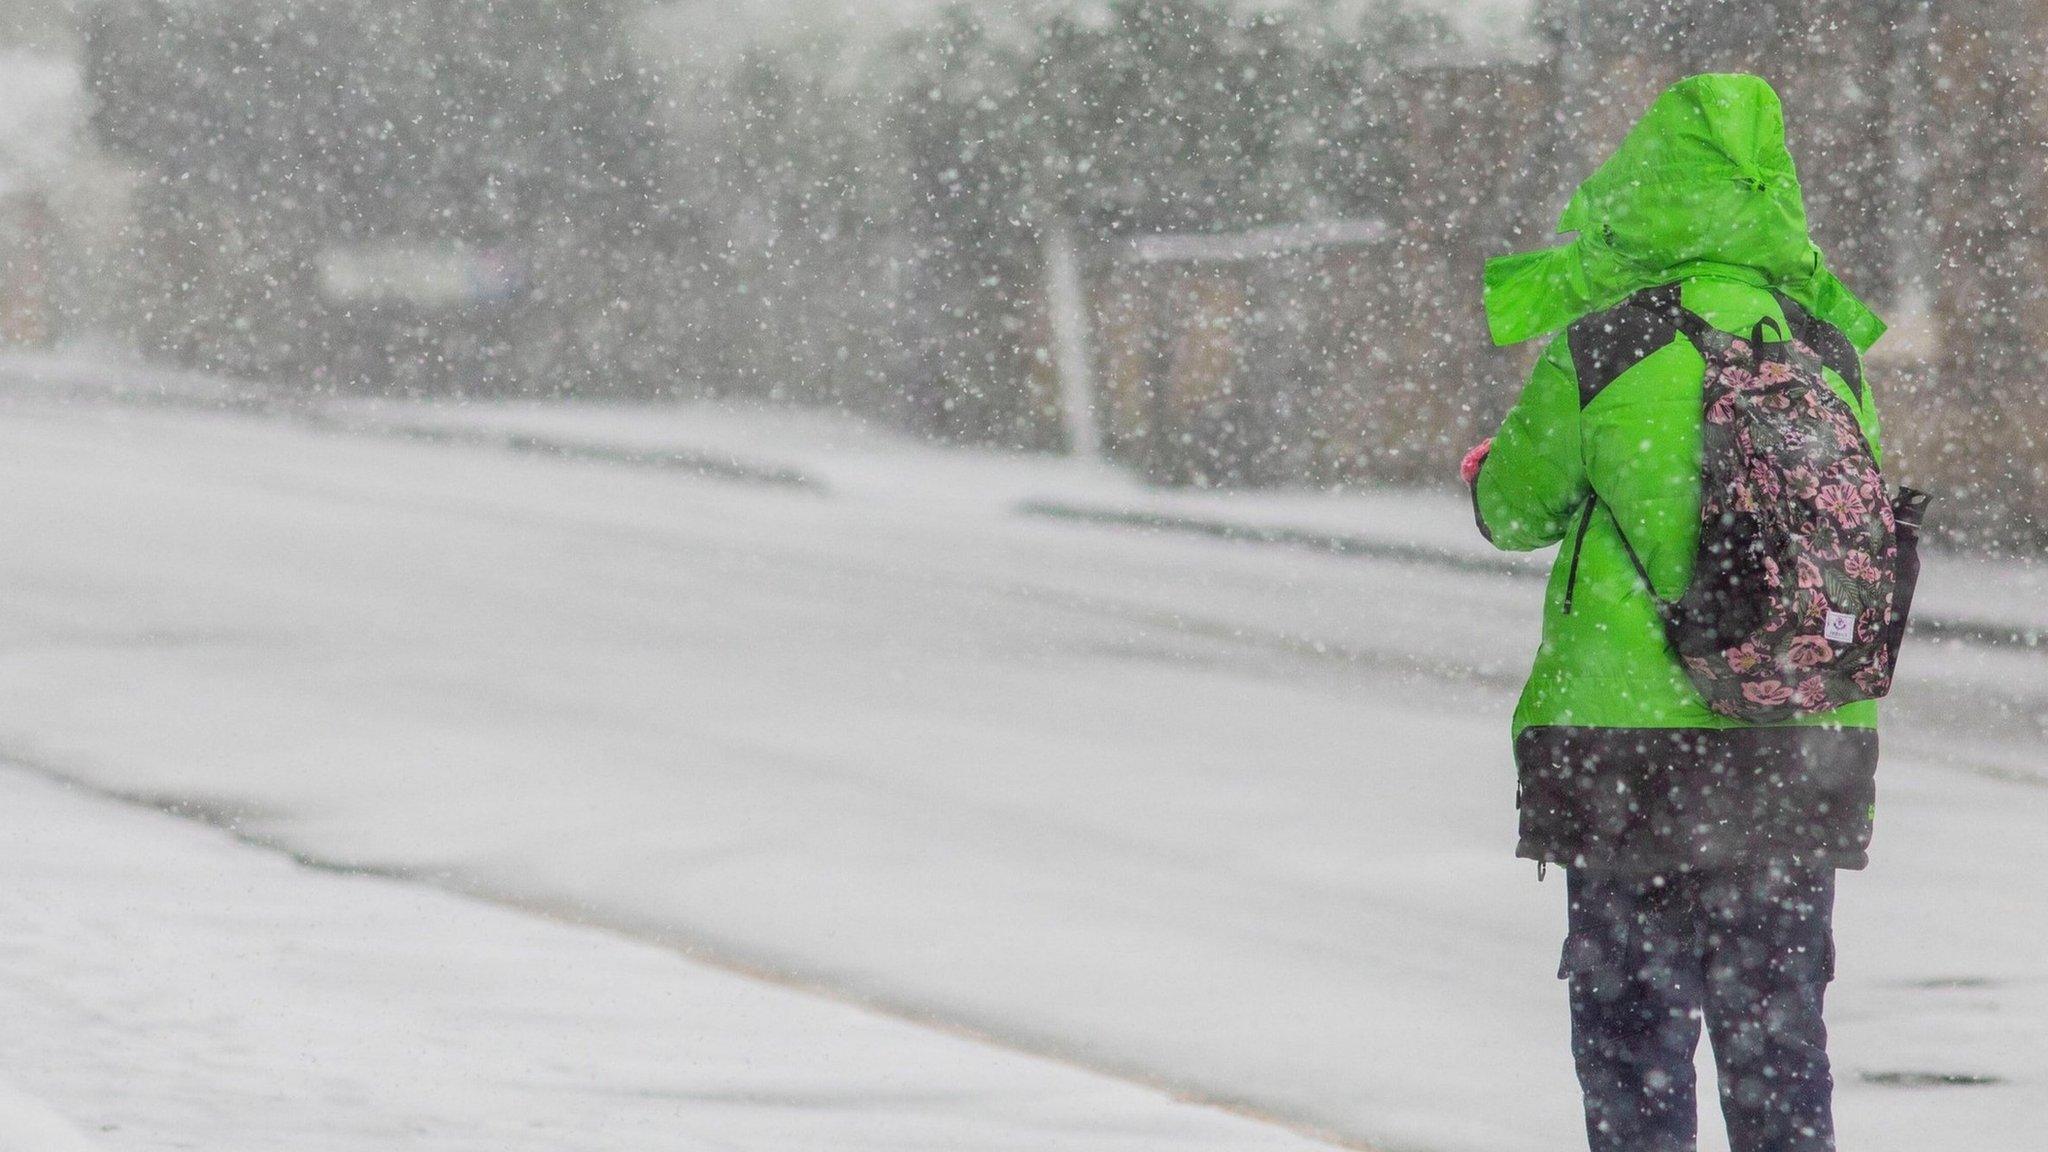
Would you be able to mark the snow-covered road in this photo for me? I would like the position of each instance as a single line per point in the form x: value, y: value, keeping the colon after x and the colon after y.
x: 165, y: 987
x: 1233, y: 819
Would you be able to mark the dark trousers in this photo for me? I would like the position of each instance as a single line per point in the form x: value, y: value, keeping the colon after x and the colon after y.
x: 1751, y: 952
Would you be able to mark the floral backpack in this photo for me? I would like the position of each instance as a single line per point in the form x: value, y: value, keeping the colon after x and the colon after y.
x: 1806, y: 568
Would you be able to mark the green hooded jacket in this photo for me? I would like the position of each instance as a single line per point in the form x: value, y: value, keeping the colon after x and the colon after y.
x: 1701, y: 206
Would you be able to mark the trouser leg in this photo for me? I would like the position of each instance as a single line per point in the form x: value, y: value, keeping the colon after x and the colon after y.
x: 1634, y: 981
x: 1769, y: 954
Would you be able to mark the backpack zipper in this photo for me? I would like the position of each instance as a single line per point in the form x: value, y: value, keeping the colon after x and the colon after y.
x: 1571, y: 578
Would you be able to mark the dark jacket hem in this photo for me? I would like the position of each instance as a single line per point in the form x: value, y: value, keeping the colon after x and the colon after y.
x: 1696, y: 799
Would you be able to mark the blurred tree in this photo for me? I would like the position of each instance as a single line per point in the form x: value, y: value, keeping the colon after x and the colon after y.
x: 965, y: 128
x: 1987, y: 434
x: 275, y: 132
x: 1148, y: 116
x: 787, y: 172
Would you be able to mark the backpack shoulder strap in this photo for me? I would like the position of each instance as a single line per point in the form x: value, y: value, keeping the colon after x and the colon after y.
x: 1605, y: 345
x: 1666, y: 303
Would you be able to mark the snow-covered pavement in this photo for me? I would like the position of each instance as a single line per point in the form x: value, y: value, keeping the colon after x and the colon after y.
x: 1229, y: 818
x: 167, y: 987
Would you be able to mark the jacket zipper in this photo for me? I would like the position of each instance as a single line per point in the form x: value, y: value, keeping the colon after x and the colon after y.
x: 1571, y: 578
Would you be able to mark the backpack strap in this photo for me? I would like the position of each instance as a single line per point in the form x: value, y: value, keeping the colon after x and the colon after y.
x: 1634, y: 560
x: 1757, y: 343
x: 1663, y: 606
x: 1606, y: 345
x: 1835, y: 349
x: 1665, y: 303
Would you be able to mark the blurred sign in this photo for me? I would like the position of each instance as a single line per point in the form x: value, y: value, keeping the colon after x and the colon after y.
x: 425, y: 275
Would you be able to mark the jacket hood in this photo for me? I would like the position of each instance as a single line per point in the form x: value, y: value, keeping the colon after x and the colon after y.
x: 1702, y: 184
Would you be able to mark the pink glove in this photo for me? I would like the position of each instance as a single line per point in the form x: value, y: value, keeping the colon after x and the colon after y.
x: 1469, y: 467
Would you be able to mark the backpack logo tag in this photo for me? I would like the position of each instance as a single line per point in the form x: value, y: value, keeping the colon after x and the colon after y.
x: 1841, y: 627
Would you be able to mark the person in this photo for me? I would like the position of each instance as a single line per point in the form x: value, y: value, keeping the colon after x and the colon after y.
x: 1700, y: 850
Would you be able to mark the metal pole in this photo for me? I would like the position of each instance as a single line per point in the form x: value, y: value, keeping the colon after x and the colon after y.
x: 1907, y: 203
x: 1066, y: 300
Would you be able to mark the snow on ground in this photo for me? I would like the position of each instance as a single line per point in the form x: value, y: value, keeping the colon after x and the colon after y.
x: 1983, y: 698
x: 861, y: 461
x: 28, y: 1125
x: 1237, y: 819
x: 167, y: 987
